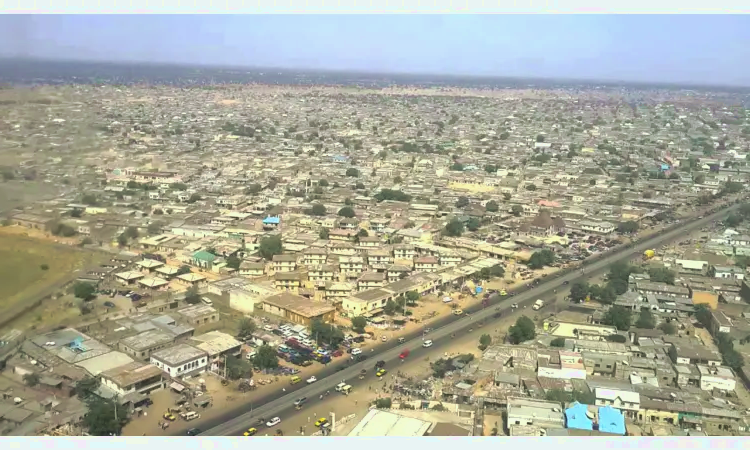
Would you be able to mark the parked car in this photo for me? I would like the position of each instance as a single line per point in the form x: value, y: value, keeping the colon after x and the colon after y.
x: 273, y: 422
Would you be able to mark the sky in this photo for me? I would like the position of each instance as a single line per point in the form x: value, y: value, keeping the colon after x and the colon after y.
x: 695, y: 49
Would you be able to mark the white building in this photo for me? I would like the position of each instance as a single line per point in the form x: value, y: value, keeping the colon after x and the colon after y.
x: 628, y: 402
x: 716, y: 377
x: 570, y: 366
x: 523, y: 411
x: 134, y: 377
x: 180, y: 360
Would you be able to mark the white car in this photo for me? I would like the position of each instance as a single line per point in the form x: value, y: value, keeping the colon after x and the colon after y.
x: 273, y: 422
x: 356, y: 351
x: 311, y: 380
x: 427, y: 343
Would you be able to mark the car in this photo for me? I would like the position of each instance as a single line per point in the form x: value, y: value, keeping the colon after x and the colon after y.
x: 457, y: 312
x: 250, y: 432
x: 311, y: 380
x: 109, y: 304
x: 427, y: 343
x: 383, y: 338
x: 404, y: 354
x: 356, y: 351
x: 514, y: 306
x: 566, y: 282
x: 193, y: 432
x: 169, y: 416
x: 300, y: 401
x: 503, y: 292
x: 295, y: 379
x: 273, y: 422
x: 381, y: 372
x: 321, y: 421
x: 379, y: 365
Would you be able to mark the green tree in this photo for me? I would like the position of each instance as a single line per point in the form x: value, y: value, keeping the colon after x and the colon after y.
x: 541, y: 258
x: 104, y: 417
x: 661, y: 275
x: 352, y: 172
x: 531, y: 187
x: 87, y: 387
x: 90, y: 199
x: 346, y: 211
x: 618, y: 317
x: 178, y: 186
x: 489, y: 168
x: 194, y: 198
x: 122, y: 240
x: 456, y: 167
x: 473, y: 224
x: 516, y: 210
x: 733, y: 220
x: 618, y: 285
x: 266, y: 358
x: 270, y: 246
x: 323, y: 233
x: 323, y: 183
x: 84, y: 291
x: 454, y: 228
x: 238, y: 368
x: 398, y: 180
x: 155, y: 227
x: 646, y: 320
x: 627, y: 227
x: 31, y: 379
x: 579, y: 290
x: 540, y: 138
x: 523, y: 330
x: 233, y: 262
x: 192, y: 296
x: 358, y: 324
x: 557, y: 342
x: 327, y: 333
x: 484, y: 341
x: 390, y: 308
x: 253, y: 189
x: 183, y: 270
x: 668, y: 328
x: 132, y: 233
x: 491, y: 206
x: 462, y: 202
x: 245, y: 328
x: 316, y: 210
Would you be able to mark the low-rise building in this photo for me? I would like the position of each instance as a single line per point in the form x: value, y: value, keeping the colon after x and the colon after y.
x: 180, y: 360
x: 135, y: 377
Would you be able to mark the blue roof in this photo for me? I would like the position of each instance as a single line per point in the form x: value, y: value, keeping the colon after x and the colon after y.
x: 576, y: 418
x: 611, y: 420
x: 270, y: 219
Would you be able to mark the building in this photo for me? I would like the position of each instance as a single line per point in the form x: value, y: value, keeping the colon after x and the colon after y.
x: 524, y: 411
x: 135, y: 377
x: 180, y: 360
x: 297, y: 309
x: 199, y: 314
x: 627, y: 401
x: 562, y: 365
x: 284, y: 263
x: 217, y: 344
x: 144, y: 344
x: 378, y: 423
x: 426, y: 264
x: 716, y: 377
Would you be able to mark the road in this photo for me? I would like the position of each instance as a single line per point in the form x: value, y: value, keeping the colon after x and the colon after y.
x: 281, y: 402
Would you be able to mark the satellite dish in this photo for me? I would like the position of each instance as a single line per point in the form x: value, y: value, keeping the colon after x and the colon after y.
x: 590, y: 415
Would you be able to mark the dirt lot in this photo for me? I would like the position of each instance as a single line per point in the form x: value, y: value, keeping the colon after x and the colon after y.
x: 22, y: 279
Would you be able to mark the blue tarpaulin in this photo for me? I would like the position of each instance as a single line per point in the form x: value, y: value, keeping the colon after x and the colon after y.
x: 576, y: 417
x: 611, y: 420
x: 479, y: 290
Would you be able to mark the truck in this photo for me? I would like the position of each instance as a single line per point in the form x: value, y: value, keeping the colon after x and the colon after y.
x: 538, y: 305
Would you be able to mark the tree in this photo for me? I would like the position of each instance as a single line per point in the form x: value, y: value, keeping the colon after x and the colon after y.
x: 557, y: 342
x: 390, y: 194
x: 627, y: 227
x: 398, y: 180
x: 233, y: 262
x: 462, y: 202
x: 661, y: 275
x: 89, y: 199
x: 87, y: 387
x: 270, y: 246
x: 31, y: 379
x: 620, y: 339
x: 454, y: 228
x: 732, y: 358
x: 489, y: 168
x: 592, y: 182
x: 473, y: 224
x: 178, y: 186
x: 618, y: 285
x: 562, y: 396
x: 491, y: 206
x: 456, y: 167
x: 327, y: 333
x: 412, y: 297
x: 352, y: 172
x: 540, y: 138
x: 390, y: 308
x: 323, y: 233
x: 191, y: 295
x: 531, y: 187
x: 646, y: 320
x: 104, y: 417
x: 155, y: 227
x: 194, y: 198
x: 579, y: 290
x: 732, y: 220
x: 618, y: 317
x: 266, y: 358
x: 238, y: 368
x: 523, y: 330
x: 131, y: 233
x: 346, y: 211
x: 183, y: 270
x: 358, y: 324
x: 541, y: 258
x: 316, y: 210
x: 516, y: 210
x: 484, y: 341
x: 668, y: 328
x: 245, y: 328
x: 323, y: 183
x: 84, y: 291
x: 61, y: 229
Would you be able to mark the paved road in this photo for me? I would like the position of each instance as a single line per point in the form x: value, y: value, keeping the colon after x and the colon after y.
x: 280, y: 403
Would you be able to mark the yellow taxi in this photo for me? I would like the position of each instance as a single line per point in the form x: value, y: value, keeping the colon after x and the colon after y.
x: 250, y: 432
x: 295, y: 379
x: 503, y: 292
x: 321, y: 421
x: 380, y: 373
x: 457, y: 312
x: 169, y: 416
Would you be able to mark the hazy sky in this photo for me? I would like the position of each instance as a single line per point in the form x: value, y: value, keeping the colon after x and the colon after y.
x: 711, y: 49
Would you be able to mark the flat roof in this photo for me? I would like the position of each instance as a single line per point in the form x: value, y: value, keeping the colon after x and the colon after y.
x: 132, y: 373
x: 179, y: 354
x: 147, y: 339
x: 105, y: 362
x: 379, y: 423
x: 299, y: 305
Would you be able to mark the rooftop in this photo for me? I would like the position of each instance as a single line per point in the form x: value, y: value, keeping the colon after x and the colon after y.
x: 377, y: 423
x: 297, y: 304
x: 178, y: 354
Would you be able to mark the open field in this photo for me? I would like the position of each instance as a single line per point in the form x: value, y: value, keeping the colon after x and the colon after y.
x: 24, y: 284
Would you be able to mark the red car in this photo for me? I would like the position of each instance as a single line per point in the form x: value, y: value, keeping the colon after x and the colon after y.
x: 337, y: 353
x: 404, y: 354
